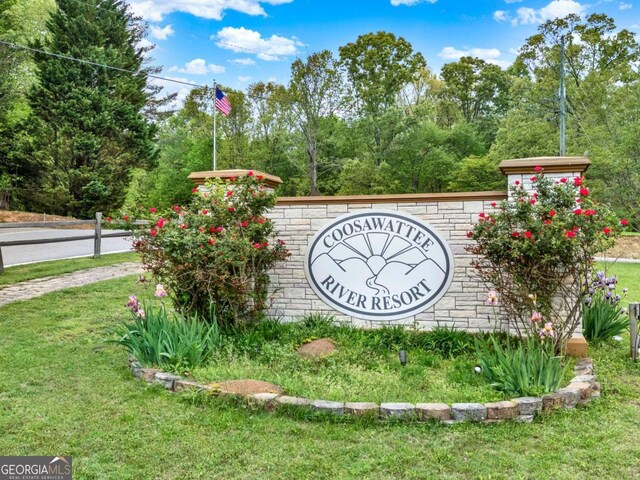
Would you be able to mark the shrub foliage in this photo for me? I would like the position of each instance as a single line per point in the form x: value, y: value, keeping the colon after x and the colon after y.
x: 536, y: 249
x: 216, y: 252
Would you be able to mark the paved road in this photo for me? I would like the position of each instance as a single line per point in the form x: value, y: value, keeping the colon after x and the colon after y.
x: 51, y: 251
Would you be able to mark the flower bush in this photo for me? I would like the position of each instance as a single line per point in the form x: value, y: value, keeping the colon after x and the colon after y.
x: 215, y: 253
x: 535, y: 251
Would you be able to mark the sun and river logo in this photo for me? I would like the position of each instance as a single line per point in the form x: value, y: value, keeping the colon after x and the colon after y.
x: 379, y: 265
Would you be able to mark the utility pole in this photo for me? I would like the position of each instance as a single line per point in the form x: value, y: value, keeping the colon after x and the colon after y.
x: 563, y: 112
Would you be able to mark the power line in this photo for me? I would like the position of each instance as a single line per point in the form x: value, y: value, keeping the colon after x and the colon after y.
x: 96, y: 64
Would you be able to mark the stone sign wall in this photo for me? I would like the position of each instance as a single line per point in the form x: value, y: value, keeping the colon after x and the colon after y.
x: 409, y: 265
x: 450, y: 216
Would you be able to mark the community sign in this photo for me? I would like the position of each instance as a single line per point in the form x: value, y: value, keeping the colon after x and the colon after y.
x: 379, y: 265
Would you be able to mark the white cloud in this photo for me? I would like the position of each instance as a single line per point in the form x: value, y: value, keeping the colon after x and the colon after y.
x: 555, y: 9
x: 410, y: 3
x: 243, y: 61
x: 161, y: 33
x: 500, y: 16
x: 198, y: 66
x: 244, y: 78
x: 489, y: 55
x: 155, y: 10
x: 244, y: 40
x: 625, y: 6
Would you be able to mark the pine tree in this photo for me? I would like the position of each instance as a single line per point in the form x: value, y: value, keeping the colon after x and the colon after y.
x: 93, y: 117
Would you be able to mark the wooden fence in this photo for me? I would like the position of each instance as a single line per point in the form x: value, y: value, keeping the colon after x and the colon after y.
x: 97, y: 234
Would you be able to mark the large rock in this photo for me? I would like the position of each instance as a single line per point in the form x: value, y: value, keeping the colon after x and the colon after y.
x: 318, y: 348
x: 248, y: 387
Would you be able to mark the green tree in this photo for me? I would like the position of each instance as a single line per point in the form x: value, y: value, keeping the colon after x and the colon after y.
x: 316, y: 92
x: 92, y: 118
x: 379, y: 66
x: 478, y: 88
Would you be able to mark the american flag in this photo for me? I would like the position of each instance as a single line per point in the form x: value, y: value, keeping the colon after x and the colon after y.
x: 222, y: 102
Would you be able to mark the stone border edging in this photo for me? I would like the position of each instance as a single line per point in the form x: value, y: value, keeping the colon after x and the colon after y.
x: 581, y: 389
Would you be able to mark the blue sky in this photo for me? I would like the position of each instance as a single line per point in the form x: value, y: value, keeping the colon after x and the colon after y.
x: 238, y: 42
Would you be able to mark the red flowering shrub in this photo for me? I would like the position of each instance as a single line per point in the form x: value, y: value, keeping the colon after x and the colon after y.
x: 543, y: 250
x: 215, y: 254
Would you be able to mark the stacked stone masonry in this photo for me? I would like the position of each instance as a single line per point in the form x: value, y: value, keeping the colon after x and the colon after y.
x: 580, y: 391
x: 461, y: 307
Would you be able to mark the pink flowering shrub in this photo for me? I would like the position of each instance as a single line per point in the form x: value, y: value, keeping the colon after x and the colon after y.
x: 536, y: 249
x: 214, y: 254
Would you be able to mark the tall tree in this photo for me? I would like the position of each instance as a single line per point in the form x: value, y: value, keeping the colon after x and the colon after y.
x: 379, y: 66
x: 316, y: 91
x: 478, y: 88
x: 92, y: 116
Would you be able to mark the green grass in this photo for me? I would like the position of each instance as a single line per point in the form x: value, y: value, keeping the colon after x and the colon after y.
x: 628, y: 277
x: 64, y: 391
x: 365, y: 366
x: 21, y: 273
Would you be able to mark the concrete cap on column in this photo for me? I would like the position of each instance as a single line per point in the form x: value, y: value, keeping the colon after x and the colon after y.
x: 550, y: 165
x: 199, y: 178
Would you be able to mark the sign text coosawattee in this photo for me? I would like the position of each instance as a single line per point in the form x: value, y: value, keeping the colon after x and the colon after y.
x: 379, y: 265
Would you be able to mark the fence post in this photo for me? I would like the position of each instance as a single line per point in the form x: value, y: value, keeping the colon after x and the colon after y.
x: 97, y: 240
x: 1, y: 262
x: 634, y: 313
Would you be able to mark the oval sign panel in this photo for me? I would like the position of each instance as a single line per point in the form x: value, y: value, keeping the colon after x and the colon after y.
x: 379, y: 265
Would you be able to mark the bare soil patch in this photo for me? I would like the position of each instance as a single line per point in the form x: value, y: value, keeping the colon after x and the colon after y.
x: 626, y: 247
x: 9, y: 216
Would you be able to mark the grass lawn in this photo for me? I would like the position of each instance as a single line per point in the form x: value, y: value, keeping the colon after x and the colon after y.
x: 21, y: 273
x: 365, y: 367
x: 628, y: 277
x: 64, y: 391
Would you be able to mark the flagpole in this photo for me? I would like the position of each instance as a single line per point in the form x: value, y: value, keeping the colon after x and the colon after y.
x: 214, y: 124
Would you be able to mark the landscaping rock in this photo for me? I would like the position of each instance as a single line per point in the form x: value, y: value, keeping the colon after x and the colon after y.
x: 266, y: 400
x: 248, y: 387
x: 590, y: 379
x: 552, y: 401
x: 396, y: 409
x: 318, y: 348
x: 296, y: 401
x: 433, y: 411
x: 180, y: 385
x: 166, y: 379
x: 148, y: 374
x: 361, y: 408
x: 135, y: 368
x: 528, y: 405
x: 570, y: 397
x: 502, y: 410
x: 524, y: 418
x: 584, y: 389
x: 472, y: 412
x: 336, y: 408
